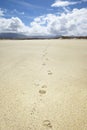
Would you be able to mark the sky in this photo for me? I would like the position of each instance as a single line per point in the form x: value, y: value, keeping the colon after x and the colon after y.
x: 44, y: 17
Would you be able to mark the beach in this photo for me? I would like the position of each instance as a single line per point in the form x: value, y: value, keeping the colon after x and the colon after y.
x: 43, y: 84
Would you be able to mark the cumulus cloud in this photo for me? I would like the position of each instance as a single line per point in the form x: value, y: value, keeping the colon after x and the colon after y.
x: 71, y: 23
x: 59, y: 3
x: 13, y: 24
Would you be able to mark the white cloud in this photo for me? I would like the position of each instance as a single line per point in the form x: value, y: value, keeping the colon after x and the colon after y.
x: 71, y: 23
x: 17, y: 12
x: 13, y: 24
x: 1, y: 12
x: 59, y: 3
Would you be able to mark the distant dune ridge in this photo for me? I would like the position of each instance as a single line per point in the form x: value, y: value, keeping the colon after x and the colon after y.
x: 43, y: 84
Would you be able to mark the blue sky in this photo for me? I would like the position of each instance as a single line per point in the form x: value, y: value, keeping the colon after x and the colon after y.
x: 36, y: 16
x: 25, y: 9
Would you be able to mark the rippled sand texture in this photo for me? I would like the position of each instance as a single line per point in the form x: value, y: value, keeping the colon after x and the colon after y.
x: 43, y: 85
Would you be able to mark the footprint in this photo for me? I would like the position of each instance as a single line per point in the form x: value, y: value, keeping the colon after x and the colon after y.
x: 33, y: 110
x: 49, y: 72
x: 47, y: 123
x: 44, y: 86
x: 47, y: 59
x: 36, y: 84
x: 44, y: 55
x: 43, y: 64
x: 42, y: 91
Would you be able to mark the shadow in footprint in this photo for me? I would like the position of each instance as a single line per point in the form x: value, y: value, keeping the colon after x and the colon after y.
x: 42, y: 92
x: 44, y: 86
x: 49, y: 72
x: 47, y: 123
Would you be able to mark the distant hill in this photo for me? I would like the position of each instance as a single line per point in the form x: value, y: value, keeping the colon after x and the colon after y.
x: 22, y: 36
x: 12, y: 36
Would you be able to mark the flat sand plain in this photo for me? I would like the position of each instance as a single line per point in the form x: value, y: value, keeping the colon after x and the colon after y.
x: 43, y: 85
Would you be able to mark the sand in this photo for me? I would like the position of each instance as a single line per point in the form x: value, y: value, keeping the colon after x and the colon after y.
x: 43, y: 85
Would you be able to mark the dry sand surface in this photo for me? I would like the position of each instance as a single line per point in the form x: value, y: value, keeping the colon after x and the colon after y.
x: 43, y: 85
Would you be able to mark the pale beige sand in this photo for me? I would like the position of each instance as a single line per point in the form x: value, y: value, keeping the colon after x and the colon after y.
x: 43, y: 85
